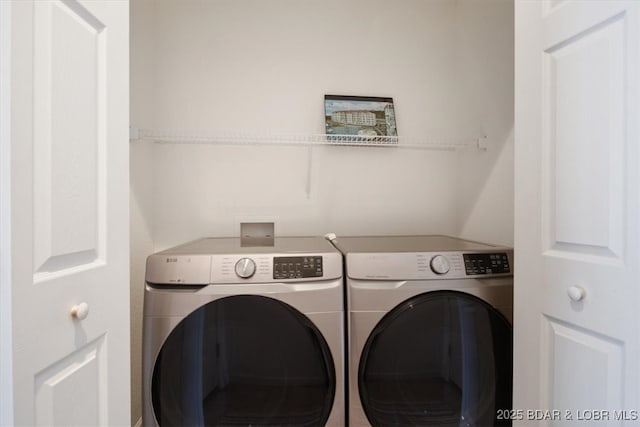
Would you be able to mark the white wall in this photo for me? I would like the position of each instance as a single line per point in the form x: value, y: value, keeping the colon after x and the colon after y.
x: 142, y: 39
x: 485, y: 55
x: 264, y: 66
x: 233, y: 66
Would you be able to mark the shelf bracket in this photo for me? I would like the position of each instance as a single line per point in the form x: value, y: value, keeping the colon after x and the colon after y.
x: 309, y: 174
x: 482, y: 143
x: 134, y: 133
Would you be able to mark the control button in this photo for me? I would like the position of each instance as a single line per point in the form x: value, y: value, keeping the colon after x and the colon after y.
x: 245, y: 268
x: 439, y: 264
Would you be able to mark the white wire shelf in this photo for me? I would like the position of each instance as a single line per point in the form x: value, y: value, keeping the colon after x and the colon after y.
x: 446, y: 144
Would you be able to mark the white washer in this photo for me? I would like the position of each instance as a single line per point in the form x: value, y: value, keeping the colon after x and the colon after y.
x: 244, y: 335
x: 429, y: 331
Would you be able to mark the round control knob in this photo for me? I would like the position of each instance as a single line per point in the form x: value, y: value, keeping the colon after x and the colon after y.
x: 440, y: 264
x: 245, y: 268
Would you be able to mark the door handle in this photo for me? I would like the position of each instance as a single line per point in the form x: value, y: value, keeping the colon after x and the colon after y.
x: 80, y: 311
x: 576, y: 293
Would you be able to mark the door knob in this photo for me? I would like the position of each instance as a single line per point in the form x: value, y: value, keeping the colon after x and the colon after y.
x: 80, y: 311
x: 576, y: 293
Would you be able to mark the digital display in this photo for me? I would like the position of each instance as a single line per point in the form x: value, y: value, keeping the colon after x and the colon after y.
x: 491, y: 263
x: 298, y: 267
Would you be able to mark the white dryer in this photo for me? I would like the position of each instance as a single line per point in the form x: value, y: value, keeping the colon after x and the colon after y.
x: 239, y: 335
x: 429, y: 331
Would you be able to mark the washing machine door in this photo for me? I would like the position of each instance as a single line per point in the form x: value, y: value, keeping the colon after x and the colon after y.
x: 244, y: 360
x: 441, y: 358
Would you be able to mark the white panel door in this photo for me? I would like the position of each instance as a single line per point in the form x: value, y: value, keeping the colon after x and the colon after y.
x: 69, y: 212
x: 577, y: 243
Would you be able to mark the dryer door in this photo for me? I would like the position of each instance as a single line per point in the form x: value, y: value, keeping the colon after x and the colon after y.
x: 244, y: 360
x: 441, y: 358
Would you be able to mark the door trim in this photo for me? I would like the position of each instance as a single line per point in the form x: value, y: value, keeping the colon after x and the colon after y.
x: 6, y: 325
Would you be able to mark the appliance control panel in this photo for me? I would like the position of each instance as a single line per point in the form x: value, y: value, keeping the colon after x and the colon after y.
x: 430, y: 265
x: 257, y: 268
x: 297, y: 267
x: 275, y: 268
x: 486, y: 263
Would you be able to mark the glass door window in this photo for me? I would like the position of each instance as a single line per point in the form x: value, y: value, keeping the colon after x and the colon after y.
x: 441, y: 358
x: 244, y: 360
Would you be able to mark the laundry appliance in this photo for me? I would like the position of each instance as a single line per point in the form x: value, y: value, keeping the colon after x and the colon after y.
x: 429, y: 331
x: 237, y: 335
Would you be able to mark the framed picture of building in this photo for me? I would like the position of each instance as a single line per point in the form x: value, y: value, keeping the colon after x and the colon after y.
x: 361, y: 116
